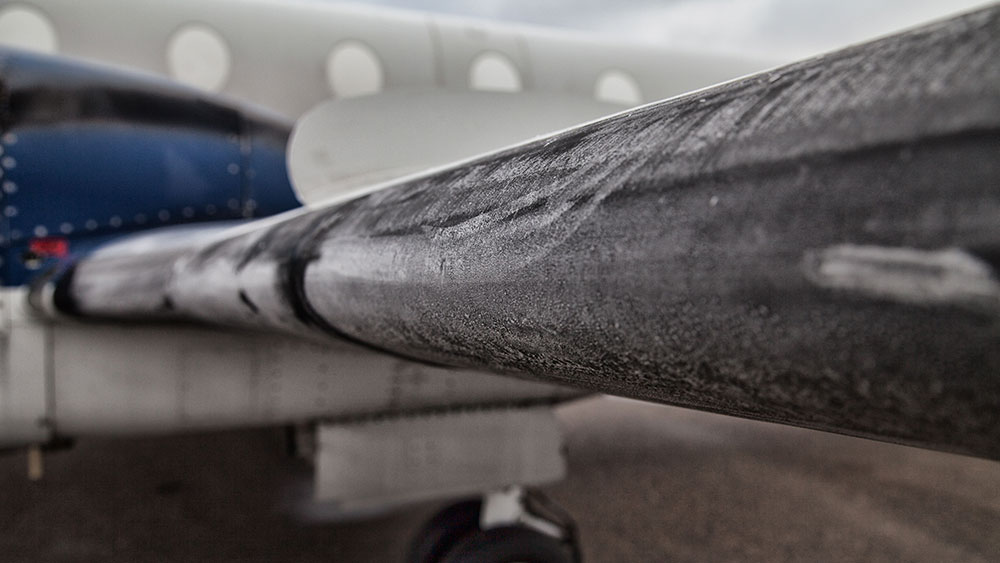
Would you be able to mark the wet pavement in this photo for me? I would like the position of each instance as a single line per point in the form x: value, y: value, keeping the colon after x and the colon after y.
x: 647, y: 483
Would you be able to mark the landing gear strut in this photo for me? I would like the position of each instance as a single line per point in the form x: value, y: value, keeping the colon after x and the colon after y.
x: 511, y: 525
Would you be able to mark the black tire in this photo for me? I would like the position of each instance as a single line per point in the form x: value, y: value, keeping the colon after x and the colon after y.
x: 509, y: 544
x: 442, y: 532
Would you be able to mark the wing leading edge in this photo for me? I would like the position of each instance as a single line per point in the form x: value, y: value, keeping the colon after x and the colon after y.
x: 815, y: 245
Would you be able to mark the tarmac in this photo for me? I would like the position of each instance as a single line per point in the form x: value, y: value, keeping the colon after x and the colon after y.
x: 646, y: 483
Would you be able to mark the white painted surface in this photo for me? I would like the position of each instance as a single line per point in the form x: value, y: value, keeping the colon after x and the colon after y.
x: 394, y: 461
x: 26, y: 27
x: 23, y: 373
x: 353, y: 69
x: 617, y: 87
x: 494, y: 72
x: 343, y: 145
x: 121, y: 380
x: 506, y: 508
x: 278, y: 51
x: 198, y: 56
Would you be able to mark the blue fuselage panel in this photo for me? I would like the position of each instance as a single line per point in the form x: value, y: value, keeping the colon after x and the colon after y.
x: 89, y: 154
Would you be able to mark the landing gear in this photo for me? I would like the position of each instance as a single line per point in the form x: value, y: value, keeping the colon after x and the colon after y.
x: 444, y: 531
x: 509, y: 544
x: 512, y: 525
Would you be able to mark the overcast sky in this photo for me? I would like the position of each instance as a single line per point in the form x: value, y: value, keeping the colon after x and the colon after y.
x: 773, y: 28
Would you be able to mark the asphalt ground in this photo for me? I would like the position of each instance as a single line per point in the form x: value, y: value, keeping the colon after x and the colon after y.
x: 647, y: 483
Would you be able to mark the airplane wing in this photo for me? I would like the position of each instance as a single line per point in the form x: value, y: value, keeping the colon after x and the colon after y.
x: 814, y: 245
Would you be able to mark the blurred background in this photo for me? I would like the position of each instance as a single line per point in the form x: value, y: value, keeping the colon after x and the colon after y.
x: 775, y: 29
x: 646, y: 482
